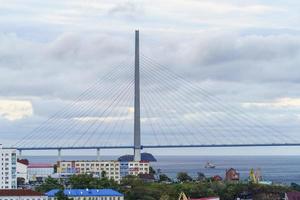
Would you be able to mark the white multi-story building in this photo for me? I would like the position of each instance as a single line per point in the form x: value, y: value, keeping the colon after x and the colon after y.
x: 8, y: 164
x: 22, y: 171
x: 111, y: 169
x: 134, y: 168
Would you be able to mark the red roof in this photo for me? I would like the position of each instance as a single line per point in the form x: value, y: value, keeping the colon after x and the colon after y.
x: 19, y: 192
x: 293, y: 195
x: 40, y: 165
x: 23, y: 161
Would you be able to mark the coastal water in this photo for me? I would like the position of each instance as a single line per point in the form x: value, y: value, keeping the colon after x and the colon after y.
x: 279, y: 169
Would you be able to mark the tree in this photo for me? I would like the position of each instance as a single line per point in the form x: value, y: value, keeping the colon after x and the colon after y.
x: 183, y: 177
x: 82, y: 181
x: 295, y: 186
x: 103, y: 174
x: 164, y: 197
x: 60, y: 195
x: 201, y: 176
x: 164, y: 178
x: 20, y: 181
x: 49, y: 184
x: 152, y: 171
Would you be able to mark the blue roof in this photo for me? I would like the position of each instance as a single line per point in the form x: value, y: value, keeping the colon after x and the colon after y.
x: 86, y: 192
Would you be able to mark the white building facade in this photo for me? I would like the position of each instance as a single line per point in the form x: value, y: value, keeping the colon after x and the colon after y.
x: 111, y: 169
x: 134, y: 168
x: 8, y: 165
x: 22, y: 171
x: 38, y: 172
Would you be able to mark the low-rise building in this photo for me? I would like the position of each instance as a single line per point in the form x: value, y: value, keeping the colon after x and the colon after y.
x: 21, y: 194
x: 217, y: 178
x: 134, y: 168
x: 8, y: 171
x: 232, y: 175
x: 82, y: 194
x: 111, y: 169
x: 22, y: 172
x: 37, y: 172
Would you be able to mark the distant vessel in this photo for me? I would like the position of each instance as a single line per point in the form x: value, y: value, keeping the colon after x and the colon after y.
x: 209, y: 165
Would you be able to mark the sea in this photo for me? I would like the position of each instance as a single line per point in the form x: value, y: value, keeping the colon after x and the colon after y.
x: 278, y: 169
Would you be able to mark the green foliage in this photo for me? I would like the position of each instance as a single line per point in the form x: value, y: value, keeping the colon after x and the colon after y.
x: 295, y: 186
x: 49, y: 184
x: 61, y: 196
x: 201, y: 176
x: 183, y: 177
x: 103, y: 174
x: 88, y: 181
x: 164, y: 178
x: 152, y: 171
x: 135, y: 189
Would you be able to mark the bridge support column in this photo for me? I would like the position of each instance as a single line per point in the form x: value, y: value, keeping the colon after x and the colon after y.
x: 98, y: 154
x: 59, y: 154
x: 137, y: 121
x: 20, y: 154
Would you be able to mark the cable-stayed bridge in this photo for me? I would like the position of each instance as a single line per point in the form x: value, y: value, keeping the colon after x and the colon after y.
x: 143, y: 104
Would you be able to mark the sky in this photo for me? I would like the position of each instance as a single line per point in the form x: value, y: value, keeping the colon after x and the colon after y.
x: 246, y: 52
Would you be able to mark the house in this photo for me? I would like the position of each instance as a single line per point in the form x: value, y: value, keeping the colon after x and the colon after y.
x: 37, y: 172
x: 217, y: 178
x: 292, y: 196
x: 22, y: 172
x: 149, y: 178
x: 232, y: 175
x: 21, y: 194
x: 82, y: 194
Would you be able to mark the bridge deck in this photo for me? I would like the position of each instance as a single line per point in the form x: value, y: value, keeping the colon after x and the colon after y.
x: 156, y: 146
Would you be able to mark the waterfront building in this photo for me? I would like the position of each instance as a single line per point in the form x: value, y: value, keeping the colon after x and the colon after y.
x: 8, y: 164
x: 232, y: 175
x: 21, y: 194
x: 37, y: 172
x: 22, y: 172
x: 134, y: 168
x: 82, y: 194
x: 109, y: 169
x: 217, y: 178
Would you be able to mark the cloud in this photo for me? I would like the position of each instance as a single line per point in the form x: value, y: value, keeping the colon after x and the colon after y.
x: 15, y: 109
x: 278, y: 103
x: 246, y: 54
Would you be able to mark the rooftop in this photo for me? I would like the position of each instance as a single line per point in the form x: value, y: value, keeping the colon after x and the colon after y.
x: 85, y: 192
x: 19, y: 192
x: 40, y: 165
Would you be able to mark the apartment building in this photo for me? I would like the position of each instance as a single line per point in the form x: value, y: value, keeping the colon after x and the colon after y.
x: 134, y: 168
x: 111, y: 169
x: 8, y: 164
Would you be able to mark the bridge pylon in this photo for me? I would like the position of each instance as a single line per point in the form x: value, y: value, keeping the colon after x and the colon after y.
x: 137, y: 117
